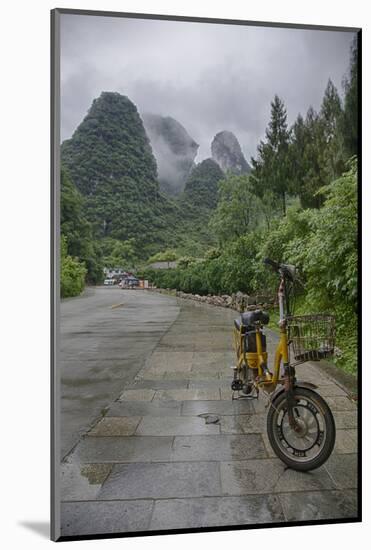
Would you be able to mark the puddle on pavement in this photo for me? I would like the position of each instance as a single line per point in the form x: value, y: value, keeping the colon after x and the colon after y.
x: 95, y: 473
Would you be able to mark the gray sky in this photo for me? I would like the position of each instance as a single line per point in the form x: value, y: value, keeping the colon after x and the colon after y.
x: 209, y: 77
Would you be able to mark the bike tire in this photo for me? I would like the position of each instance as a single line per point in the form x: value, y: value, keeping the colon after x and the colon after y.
x: 279, y: 433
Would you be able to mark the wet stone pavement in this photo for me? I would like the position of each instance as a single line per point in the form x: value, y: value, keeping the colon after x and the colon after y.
x: 152, y: 462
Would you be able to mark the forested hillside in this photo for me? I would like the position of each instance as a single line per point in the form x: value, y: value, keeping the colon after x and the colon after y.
x: 110, y: 161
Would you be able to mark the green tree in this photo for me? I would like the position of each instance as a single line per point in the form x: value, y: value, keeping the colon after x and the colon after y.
x: 73, y: 273
x: 271, y: 167
x: 118, y: 253
x: 331, y: 113
x: 349, y: 122
x: 331, y: 254
x: 308, y: 159
x: 238, y: 210
x: 77, y: 229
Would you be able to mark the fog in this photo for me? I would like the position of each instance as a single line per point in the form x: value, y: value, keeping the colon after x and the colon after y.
x: 208, y: 77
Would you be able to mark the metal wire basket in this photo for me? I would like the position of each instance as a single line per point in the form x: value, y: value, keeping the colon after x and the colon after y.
x: 311, y: 337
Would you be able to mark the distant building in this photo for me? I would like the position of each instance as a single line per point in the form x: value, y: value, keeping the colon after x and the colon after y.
x: 163, y: 265
x: 114, y: 272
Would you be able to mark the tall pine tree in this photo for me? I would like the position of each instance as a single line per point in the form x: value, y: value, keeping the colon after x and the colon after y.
x: 330, y: 114
x: 271, y: 167
x: 349, y: 122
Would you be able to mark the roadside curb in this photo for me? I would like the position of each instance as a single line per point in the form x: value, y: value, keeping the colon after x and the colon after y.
x: 346, y: 381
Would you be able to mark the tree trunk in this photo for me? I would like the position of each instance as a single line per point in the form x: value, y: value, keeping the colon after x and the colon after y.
x: 284, y: 203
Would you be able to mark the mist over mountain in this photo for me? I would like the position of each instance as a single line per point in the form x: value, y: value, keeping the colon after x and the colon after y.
x: 174, y: 150
x: 227, y: 153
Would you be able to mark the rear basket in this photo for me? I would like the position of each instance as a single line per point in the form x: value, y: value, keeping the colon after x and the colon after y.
x: 311, y: 337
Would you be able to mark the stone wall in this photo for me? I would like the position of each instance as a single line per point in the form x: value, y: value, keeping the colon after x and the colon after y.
x: 238, y: 301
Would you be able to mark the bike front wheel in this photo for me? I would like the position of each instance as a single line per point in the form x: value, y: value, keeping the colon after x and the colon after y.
x: 309, y: 445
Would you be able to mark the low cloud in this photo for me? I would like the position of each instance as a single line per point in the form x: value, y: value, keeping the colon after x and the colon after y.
x: 208, y: 77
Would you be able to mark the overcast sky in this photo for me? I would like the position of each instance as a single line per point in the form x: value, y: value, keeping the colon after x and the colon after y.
x: 209, y: 77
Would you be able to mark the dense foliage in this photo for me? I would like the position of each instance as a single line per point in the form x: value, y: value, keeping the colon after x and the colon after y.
x: 77, y: 230
x: 238, y: 211
x: 201, y: 188
x: 73, y: 273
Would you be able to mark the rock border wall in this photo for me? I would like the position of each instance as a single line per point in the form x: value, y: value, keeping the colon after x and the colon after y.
x: 238, y: 301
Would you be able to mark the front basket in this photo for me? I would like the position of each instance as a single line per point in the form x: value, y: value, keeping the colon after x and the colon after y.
x: 311, y: 337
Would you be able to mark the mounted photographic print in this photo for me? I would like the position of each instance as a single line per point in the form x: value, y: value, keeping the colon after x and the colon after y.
x: 204, y: 295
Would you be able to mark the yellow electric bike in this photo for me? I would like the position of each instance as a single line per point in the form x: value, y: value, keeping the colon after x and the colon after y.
x: 300, y: 425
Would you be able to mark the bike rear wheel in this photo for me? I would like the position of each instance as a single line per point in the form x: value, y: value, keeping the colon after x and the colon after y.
x: 311, y: 444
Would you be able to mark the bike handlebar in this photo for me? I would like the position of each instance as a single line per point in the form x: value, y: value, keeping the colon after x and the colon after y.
x: 285, y: 270
x: 272, y: 263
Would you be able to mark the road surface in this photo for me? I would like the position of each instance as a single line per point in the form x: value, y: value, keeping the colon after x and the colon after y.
x: 106, y: 335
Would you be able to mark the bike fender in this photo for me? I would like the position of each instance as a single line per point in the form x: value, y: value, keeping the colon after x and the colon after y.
x: 308, y: 385
x: 298, y: 384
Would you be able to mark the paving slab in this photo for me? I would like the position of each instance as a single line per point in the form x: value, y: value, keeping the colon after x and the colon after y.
x: 218, y: 447
x: 162, y: 480
x: 342, y: 468
x: 243, y: 424
x: 345, y: 442
x: 82, y: 481
x: 319, y: 505
x: 226, y: 392
x: 210, y: 384
x: 192, y: 375
x: 204, y: 357
x: 165, y: 369
x: 270, y: 476
x: 173, y: 358
x: 137, y: 395
x: 172, y: 425
x: 123, y: 449
x: 345, y: 419
x: 216, y: 511
x: 222, y: 408
x: 330, y: 390
x: 188, y: 394
x: 95, y: 518
x: 144, y: 408
x: 341, y: 403
x: 113, y: 426
x: 158, y: 384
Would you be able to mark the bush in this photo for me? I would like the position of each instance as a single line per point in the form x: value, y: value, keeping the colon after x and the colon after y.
x: 73, y: 273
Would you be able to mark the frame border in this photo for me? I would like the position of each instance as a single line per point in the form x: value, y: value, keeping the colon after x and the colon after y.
x: 55, y: 103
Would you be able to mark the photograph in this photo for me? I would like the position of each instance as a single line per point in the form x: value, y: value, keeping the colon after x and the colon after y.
x: 205, y: 251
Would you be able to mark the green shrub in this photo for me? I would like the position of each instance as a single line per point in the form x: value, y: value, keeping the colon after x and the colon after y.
x: 73, y: 273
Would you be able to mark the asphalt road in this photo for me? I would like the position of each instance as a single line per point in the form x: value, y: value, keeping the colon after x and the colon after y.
x: 105, y: 336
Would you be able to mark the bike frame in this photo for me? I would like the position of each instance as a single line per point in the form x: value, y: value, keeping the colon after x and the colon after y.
x: 258, y: 360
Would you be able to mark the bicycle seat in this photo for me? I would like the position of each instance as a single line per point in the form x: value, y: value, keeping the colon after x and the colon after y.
x: 249, y: 318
